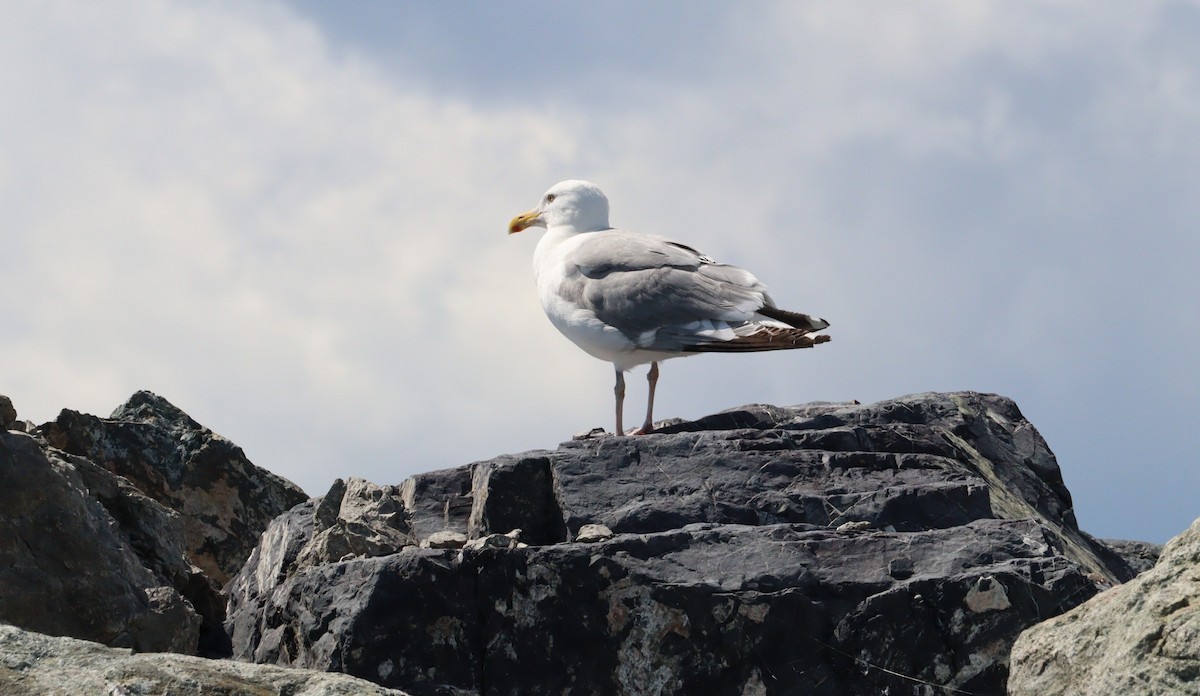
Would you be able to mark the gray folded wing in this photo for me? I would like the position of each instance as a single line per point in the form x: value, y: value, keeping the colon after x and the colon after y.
x: 660, y: 294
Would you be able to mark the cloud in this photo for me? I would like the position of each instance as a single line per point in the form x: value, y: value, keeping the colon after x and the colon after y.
x: 289, y: 219
x: 210, y: 206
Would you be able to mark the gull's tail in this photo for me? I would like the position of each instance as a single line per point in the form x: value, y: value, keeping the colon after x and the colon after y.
x: 788, y: 331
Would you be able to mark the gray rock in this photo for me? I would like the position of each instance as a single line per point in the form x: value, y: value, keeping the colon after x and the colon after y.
x: 84, y: 554
x: 490, y: 497
x: 705, y: 609
x: 445, y: 540
x: 1140, y: 638
x: 1140, y: 555
x: 32, y: 664
x: 438, y: 501
x: 822, y: 549
x: 225, y: 501
x: 516, y: 492
x: 589, y: 533
x: 495, y: 541
x: 156, y: 535
x: 272, y: 562
x: 8, y: 414
x: 854, y: 526
x: 357, y: 519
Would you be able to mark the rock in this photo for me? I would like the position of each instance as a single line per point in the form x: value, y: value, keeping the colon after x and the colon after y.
x: 445, y: 540
x: 156, y: 535
x: 83, y: 553
x: 589, y: 434
x: 225, y: 502
x: 356, y: 520
x: 901, y: 568
x: 854, y: 526
x: 491, y: 497
x: 495, y: 541
x: 8, y: 414
x: 1142, y: 637
x: 438, y: 501
x: 821, y: 549
x: 516, y: 492
x: 271, y: 563
x: 1140, y: 555
x: 37, y: 665
x: 590, y: 533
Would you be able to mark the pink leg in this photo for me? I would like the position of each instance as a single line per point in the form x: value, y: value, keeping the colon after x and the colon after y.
x: 619, y: 392
x: 652, y: 378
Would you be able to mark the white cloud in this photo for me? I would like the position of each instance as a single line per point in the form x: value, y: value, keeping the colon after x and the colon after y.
x: 210, y: 206
x: 302, y: 243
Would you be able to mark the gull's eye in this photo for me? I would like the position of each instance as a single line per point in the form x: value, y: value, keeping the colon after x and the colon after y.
x: 550, y: 197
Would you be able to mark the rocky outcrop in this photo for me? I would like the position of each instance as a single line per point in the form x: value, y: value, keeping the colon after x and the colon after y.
x: 1140, y: 555
x: 897, y: 547
x: 36, y: 665
x: 827, y: 549
x: 356, y: 520
x: 107, y: 541
x: 83, y: 553
x: 1140, y: 638
x: 224, y: 500
x: 8, y: 414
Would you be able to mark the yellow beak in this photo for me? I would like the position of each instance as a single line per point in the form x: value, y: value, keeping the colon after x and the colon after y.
x: 523, y: 221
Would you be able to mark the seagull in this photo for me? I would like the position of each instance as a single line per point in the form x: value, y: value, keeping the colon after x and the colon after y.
x: 629, y: 298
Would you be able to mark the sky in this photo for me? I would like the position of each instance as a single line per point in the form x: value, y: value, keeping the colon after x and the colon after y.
x: 289, y: 217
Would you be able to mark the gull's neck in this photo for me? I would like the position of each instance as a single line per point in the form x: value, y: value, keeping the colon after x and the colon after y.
x: 553, y: 237
x: 555, y: 243
x: 569, y: 229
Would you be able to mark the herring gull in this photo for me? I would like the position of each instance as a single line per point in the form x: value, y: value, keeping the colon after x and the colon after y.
x: 630, y: 299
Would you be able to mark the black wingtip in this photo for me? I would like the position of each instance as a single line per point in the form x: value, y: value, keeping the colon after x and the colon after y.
x: 796, y: 320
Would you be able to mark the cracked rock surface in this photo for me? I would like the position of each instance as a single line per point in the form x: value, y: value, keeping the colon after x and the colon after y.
x: 223, y: 499
x: 1140, y: 638
x: 819, y: 549
x: 36, y: 665
x: 123, y: 530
